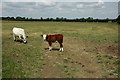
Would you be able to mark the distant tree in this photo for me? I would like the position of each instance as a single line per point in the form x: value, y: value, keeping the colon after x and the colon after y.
x: 77, y: 20
x: 12, y: 18
x: 23, y: 18
x: 18, y: 18
x: 107, y: 19
x: 62, y: 19
x: 47, y: 19
x: 96, y: 20
x: 41, y: 19
x: 113, y: 20
x: 82, y: 20
x: 57, y: 19
x: 65, y: 19
x: 51, y: 19
x: 89, y: 19
x: 27, y: 19
x: 118, y: 19
x: 8, y: 18
x: 31, y: 19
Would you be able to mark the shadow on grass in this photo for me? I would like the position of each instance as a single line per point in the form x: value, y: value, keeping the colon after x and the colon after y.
x: 19, y: 41
x: 53, y: 49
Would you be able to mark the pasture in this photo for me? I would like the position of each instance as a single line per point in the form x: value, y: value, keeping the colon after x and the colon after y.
x: 90, y: 51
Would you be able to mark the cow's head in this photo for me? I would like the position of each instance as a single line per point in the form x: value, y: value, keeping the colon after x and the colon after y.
x: 24, y: 41
x: 44, y: 36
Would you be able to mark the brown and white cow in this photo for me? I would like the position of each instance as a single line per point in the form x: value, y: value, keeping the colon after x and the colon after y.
x: 53, y: 38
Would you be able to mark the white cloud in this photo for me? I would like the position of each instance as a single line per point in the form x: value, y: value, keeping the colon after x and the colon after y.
x: 45, y: 3
x: 30, y: 9
x: 99, y: 4
x: 74, y: 9
x: 48, y: 2
x: 0, y: 8
x: 59, y: 8
x: 51, y: 9
x: 59, y: 0
x: 80, y: 6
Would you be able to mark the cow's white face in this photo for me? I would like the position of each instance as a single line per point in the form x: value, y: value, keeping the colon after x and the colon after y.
x: 25, y: 41
x: 44, y: 37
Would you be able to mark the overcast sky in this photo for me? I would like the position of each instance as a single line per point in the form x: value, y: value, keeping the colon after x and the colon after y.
x: 61, y: 9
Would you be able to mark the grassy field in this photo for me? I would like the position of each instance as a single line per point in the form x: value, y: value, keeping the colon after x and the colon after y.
x: 90, y: 51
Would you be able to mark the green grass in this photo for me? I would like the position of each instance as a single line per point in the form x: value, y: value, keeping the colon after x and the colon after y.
x: 80, y: 30
x: 109, y: 57
x: 31, y: 60
x: 117, y: 62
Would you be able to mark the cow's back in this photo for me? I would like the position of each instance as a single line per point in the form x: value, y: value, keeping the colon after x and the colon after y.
x: 59, y: 37
x: 51, y: 38
x: 18, y: 31
x: 56, y: 37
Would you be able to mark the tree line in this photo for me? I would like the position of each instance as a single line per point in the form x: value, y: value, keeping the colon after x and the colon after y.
x: 89, y: 19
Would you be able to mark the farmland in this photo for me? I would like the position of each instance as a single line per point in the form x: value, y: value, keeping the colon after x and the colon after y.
x: 90, y: 50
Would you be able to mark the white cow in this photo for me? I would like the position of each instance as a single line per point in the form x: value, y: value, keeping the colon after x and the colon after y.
x: 20, y: 33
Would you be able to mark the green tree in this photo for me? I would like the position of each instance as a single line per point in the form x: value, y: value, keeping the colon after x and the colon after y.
x: 118, y: 19
x: 89, y: 19
x: 57, y: 19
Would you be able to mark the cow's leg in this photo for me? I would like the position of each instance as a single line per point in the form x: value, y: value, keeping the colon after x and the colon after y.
x: 61, y: 49
x: 61, y: 46
x: 20, y: 37
x: 14, y: 37
x: 50, y: 46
